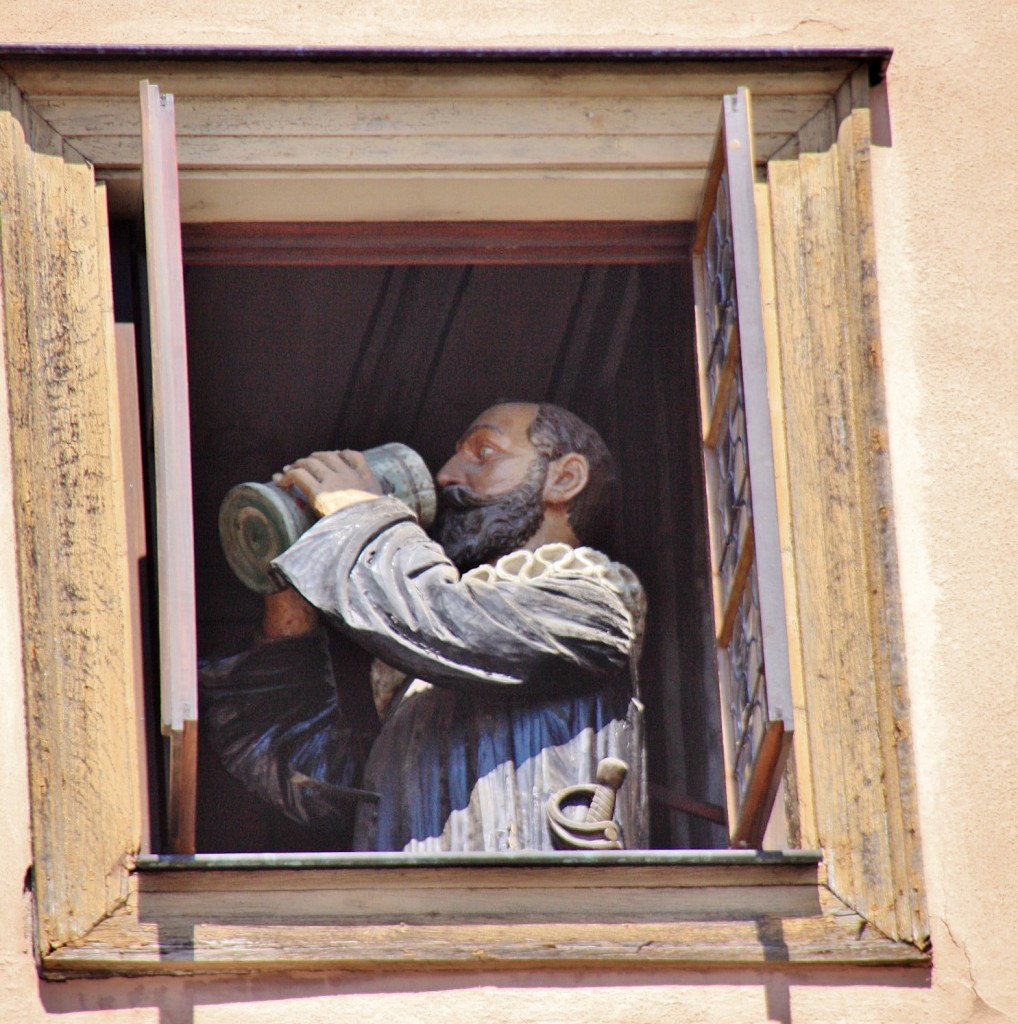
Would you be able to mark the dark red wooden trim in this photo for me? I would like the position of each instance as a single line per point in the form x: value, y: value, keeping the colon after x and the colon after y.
x: 467, y: 242
x: 680, y: 802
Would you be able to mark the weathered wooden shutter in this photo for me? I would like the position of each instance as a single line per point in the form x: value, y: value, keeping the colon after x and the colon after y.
x: 855, y: 769
x: 749, y: 605
x: 57, y: 337
x: 177, y: 639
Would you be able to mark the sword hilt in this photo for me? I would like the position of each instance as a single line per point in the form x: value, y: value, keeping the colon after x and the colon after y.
x: 595, y: 830
x: 611, y: 773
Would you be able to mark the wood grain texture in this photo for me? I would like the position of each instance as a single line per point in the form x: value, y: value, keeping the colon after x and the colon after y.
x: 213, y: 922
x: 124, y: 946
x: 126, y: 375
x: 880, y: 547
x: 447, y: 194
x: 71, y: 531
x: 800, y: 814
x: 111, y: 78
x: 825, y: 517
x: 468, y: 150
x: 383, y: 116
x: 584, y: 122
x: 855, y: 703
x: 455, y: 128
x: 414, y: 244
x: 544, y: 884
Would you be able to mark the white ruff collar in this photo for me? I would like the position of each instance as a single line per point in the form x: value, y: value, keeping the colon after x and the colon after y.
x: 547, y: 561
x: 554, y: 559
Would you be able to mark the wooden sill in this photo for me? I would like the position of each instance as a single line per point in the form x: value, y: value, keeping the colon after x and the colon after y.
x: 207, y: 915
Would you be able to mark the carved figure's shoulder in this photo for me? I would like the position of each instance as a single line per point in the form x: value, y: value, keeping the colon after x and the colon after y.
x: 552, y: 560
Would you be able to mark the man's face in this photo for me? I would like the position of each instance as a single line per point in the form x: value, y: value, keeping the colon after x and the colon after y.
x: 491, y: 492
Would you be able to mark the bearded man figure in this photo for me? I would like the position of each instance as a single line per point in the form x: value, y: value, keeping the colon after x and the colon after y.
x: 506, y: 645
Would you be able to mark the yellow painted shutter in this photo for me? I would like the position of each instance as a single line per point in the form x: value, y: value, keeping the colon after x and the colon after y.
x: 58, y: 342
x: 854, y: 760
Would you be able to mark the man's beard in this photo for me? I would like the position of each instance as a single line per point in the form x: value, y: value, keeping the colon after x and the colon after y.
x: 474, y: 530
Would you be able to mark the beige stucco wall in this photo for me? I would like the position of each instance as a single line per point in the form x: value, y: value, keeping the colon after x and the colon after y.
x: 947, y: 220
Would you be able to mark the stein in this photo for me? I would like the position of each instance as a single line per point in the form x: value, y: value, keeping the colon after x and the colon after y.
x: 258, y: 522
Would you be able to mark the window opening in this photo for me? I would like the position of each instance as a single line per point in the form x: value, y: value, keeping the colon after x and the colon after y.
x: 284, y: 360
x: 740, y: 605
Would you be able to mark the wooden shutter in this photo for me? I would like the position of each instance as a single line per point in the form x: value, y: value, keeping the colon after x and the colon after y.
x: 749, y: 605
x: 57, y: 337
x: 854, y: 756
x: 177, y: 639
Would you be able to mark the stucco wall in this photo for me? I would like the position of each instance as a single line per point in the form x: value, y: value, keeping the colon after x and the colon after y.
x: 947, y: 228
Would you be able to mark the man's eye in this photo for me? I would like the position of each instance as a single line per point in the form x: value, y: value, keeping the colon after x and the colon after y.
x: 485, y: 451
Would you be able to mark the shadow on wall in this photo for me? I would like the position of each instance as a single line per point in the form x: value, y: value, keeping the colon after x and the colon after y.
x: 620, y: 997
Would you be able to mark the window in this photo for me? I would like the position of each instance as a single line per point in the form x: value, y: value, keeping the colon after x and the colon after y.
x: 851, y: 752
x: 414, y: 349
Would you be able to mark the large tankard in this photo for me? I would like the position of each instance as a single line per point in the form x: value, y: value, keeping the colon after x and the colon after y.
x: 258, y: 522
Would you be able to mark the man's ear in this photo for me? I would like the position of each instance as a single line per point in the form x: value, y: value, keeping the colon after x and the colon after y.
x: 566, y: 478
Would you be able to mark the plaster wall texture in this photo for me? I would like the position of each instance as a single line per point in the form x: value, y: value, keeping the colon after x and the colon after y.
x: 947, y: 229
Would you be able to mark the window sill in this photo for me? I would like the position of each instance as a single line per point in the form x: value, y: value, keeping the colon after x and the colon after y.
x: 244, y: 913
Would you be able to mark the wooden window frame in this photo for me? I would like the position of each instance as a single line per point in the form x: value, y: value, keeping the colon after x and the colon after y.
x: 178, y: 647
x: 102, y: 911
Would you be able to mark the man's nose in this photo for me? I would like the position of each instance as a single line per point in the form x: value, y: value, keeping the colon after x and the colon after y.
x: 450, y: 473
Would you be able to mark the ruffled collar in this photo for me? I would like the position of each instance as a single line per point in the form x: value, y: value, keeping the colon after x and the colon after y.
x: 551, y: 560
x: 547, y: 561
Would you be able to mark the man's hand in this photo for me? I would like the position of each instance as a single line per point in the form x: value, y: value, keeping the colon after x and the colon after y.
x: 287, y: 614
x: 331, y: 480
